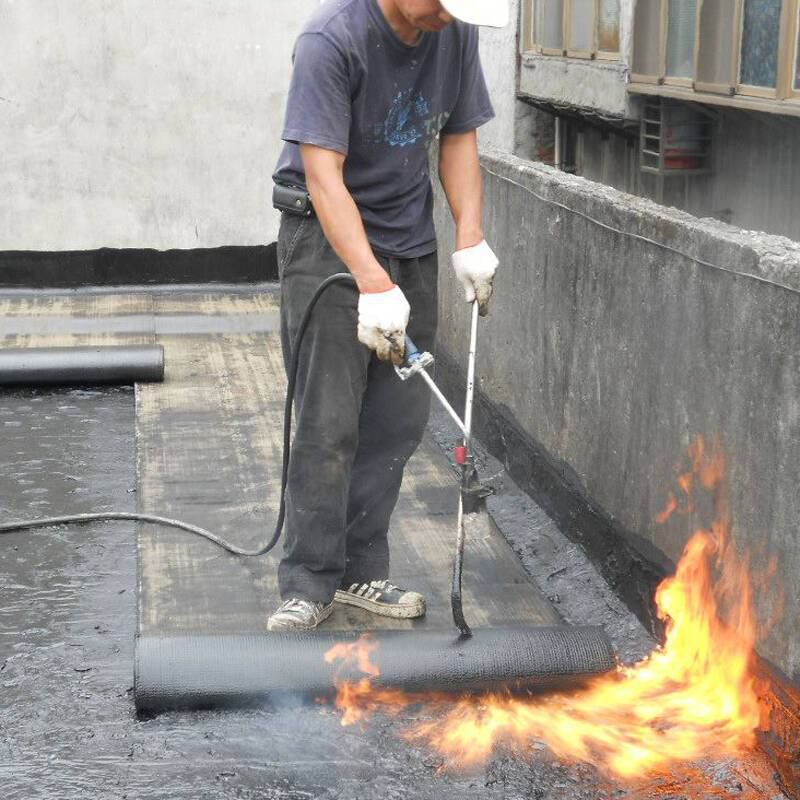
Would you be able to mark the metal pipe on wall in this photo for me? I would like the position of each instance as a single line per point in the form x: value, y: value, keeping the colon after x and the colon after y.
x: 558, y: 147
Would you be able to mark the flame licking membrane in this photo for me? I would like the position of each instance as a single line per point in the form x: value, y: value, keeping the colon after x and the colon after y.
x: 694, y: 696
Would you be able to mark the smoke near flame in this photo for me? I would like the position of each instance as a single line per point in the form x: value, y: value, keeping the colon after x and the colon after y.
x: 693, y: 697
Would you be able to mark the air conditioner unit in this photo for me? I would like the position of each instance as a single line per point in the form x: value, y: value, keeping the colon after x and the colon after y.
x: 675, y: 139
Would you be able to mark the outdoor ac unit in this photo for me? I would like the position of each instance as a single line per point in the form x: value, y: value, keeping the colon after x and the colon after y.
x: 675, y: 139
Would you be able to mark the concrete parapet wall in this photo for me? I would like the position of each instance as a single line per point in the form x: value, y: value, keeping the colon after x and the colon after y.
x: 498, y: 49
x: 606, y: 354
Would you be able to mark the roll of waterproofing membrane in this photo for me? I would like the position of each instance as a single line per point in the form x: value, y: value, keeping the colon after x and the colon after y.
x: 257, y: 671
x: 82, y: 366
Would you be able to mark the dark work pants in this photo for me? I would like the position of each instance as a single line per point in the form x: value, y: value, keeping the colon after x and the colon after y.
x: 356, y: 422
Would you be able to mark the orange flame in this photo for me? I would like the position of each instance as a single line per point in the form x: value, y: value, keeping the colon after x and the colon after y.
x: 355, y: 654
x: 692, y: 697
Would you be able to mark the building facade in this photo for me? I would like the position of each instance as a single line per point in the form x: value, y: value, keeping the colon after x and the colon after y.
x: 692, y: 103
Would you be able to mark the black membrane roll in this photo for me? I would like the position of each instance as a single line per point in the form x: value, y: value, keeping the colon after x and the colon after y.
x: 251, y: 671
x: 82, y: 366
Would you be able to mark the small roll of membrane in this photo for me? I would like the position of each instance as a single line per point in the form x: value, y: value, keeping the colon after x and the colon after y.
x: 81, y: 366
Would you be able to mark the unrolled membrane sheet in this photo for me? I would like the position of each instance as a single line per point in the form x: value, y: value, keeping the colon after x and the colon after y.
x: 209, y: 452
x: 81, y: 366
x: 240, y: 671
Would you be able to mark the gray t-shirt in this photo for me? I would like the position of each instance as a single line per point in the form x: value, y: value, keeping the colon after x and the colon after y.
x: 360, y: 90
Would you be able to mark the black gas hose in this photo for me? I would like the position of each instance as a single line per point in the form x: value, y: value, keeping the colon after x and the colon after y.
x: 76, y: 519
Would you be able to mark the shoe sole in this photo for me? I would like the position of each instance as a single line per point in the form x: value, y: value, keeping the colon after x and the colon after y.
x: 291, y: 627
x: 381, y: 609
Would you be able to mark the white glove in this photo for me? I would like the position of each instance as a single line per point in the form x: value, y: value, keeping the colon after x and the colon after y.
x: 382, y: 322
x: 475, y: 268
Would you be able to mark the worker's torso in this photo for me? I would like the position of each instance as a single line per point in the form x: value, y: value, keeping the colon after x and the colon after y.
x: 401, y: 96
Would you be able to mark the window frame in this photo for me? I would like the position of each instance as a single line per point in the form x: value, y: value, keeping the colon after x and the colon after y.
x: 646, y: 77
x: 568, y: 51
x: 553, y: 51
x: 793, y: 73
x: 784, y: 91
x: 607, y: 55
x: 527, y: 39
x: 531, y: 45
x: 674, y: 80
x: 727, y: 89
x: 764, y: 92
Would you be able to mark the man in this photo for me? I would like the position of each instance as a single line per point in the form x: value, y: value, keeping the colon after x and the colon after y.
x: 374, y: 83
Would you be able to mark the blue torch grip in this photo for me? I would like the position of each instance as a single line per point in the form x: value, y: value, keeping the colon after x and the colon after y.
x: 412, y: 354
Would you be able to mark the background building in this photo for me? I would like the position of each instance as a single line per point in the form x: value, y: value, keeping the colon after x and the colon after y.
x: 693, y: 104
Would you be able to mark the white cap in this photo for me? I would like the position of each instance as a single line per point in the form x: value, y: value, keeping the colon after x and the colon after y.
x: 492, y: 13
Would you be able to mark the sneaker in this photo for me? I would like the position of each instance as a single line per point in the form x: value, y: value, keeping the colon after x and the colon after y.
x: 382, y: 598
x: 299, y: 615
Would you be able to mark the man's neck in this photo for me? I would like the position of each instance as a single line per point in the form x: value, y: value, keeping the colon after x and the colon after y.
x: 405, y: 31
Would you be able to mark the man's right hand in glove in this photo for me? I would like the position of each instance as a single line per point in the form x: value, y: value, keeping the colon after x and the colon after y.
x: 382, y: 321
x: 382, y: 307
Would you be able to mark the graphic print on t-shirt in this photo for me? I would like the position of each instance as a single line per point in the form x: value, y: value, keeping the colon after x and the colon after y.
x: 408, y: 120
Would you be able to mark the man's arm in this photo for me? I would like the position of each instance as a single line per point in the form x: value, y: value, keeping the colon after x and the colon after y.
x: 383, y: 310
x: 340, y: 218
x: 460, y: 174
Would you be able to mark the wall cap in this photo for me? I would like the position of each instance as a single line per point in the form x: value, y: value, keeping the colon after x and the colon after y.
x: 769, y: 258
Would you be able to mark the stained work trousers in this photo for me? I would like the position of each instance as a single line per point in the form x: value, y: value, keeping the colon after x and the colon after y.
x: 356, y: 422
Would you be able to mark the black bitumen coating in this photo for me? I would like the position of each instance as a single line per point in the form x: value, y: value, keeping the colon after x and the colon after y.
x: 67, y: 617
x: 136, y: 267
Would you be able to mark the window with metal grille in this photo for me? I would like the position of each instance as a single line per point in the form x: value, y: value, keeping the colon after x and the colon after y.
x: 675, y: 138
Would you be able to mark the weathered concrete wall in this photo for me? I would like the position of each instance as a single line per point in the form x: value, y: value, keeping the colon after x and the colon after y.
x: 518, y: 128
x: 499, y: 60
x: 141, y: 123
x: 756, y: 175
x: 599, y: 86
x: 611, y: 353
x: 610, y: 158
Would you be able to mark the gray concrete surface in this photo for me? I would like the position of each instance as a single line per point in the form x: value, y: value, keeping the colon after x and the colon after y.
x: 756, y: 175
x: 138, y: 123
x: 612, y: 353
x: 518, y: 127
x: 599, y: 86
x: 498, y: 49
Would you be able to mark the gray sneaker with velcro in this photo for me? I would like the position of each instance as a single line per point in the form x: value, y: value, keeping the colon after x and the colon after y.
x: 299, y: 615
x: 382, y: 598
